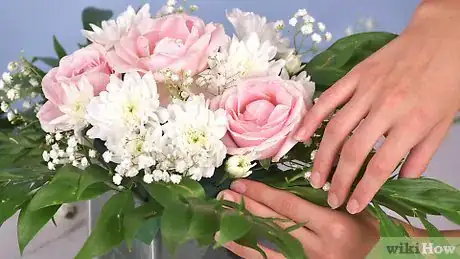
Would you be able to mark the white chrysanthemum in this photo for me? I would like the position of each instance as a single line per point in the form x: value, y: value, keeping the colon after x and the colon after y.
x: 111, y: 31
x: 304, y: 79
x: 246, y: 23
x: 194, y: 134
x: 126, y: 104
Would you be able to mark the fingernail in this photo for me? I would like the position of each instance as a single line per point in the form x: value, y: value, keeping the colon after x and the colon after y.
x: 333, y: 201
x: 315, y: 179
x: 238, y: 186
x: 353, y: 206
x: 225, y: 196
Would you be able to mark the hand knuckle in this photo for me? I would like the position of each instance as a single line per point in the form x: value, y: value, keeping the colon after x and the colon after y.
x: 337, y: 230
x: 377, y: 168
x: 349, y: 153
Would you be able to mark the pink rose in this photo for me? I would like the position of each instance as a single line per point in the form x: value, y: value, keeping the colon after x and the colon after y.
x: 177, y: 41
x: 88, y: 62
x: 263, y: 115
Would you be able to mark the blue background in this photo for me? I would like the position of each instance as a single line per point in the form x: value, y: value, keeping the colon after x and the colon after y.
x: 30, y: 24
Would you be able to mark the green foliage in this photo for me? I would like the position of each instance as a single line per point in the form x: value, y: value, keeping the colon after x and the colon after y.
x: 141, y: 223
x: 175, y: 224
x: 109, y: 230
x: 329, y: 66
x: 50, y: 61
x: 60, y: 51
x: 388, y: 228
x: 31, y: 221
x: 70, y: 184
x: 92, y: 15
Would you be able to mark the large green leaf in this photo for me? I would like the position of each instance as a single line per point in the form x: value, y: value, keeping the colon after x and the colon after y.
x: 109, y: 229
x: 329, y: 66
x: 233, y: 226
x: 92, y: 15
x: 175, y: 224
x: 142, y: 218
x: 31, y: 221
x: 205, y: 221
x: 188, y: 188
x: 69, y: 185
x: 149, y: 230
x: 60, y: 51
x: 388, y: 228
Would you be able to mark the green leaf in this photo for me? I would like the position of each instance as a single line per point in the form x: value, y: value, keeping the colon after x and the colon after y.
x: 332, y: 64
x: 52, y: 62
x: 135, y: 221
x: 250, y: 240
x: 175, y: 224
x: 68, y: 185
x: 30, y: 222
x: 188, y: 188
x: 108, y: 231
x: 92, y: 15
x: 162, y: 194
x: 265, y: 163
x: 295, y: 227
x: 430, y: 228
x: 204, y: 223
x: 149, y: 230
x: 60, y: 51
x: 388, y: 228
x: 91, y: 176
x: 233, y: 226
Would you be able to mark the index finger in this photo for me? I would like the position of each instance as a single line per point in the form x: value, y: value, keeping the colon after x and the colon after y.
x: 284, y: 203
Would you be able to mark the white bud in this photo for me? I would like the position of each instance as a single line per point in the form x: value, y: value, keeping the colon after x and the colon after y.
x: 75, y: 163
x: 4, y: 107
x: 239, y: 166
x: 307, y: 175
x: 293, y: 21
x: 107, y: 156
x: 132, y: 172
x: 92, y: 153
x: 171, y: 2
x: 175, y: 78
x: 307, y: 29
x: 12, y: 66
x: 157, y: 175
x: 293, y: 64
x: 58, y: 136
x: 46, y: 156
x: 10, y: 116
x: 70, y: 151
x: 321, y: 27
x: 181, y: 166
x: 315, y: 37
x: 193, y: 7
x: 72, y: 142
x: 61, y: 153
x: 51, y: 166
x: 301, y: 13
x: 175, y: 178
x: 148, y: 178
x: 117, y: 179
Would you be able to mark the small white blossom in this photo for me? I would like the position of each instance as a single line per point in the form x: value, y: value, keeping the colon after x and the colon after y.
x: 75, y: 163
x: 293, y: 64
x: 307, y: 29
x: 107, y: 156
x: 33, y: 82
x: 49, y: 139
x: 313, y: 154
x: 54, y: 154
x: 61, y: 153
x: 10, y: 116
x: 46, y: 156
x: 309, y: 19
x: 307, y: 175
x: 148, y: 178
x: 4, y: 107
x: 279, y: 25
x: 69, y: 151
x: 193, y: 7
x: 326, y: 187
x: 321, y: 27
x: 58, y: 136
x: 175, y: 178
x: 26, y: 105
x: 117, y: 179
x: 7, y: 77
x: 239, y: 166
x: 293, y: 21
x: 92, y: 153
x: 84, y: 162
x: 301, y: 13
x: 175, y: 78
x: 171, y: 2
x: 72, y: 141
x: 51, y: 166
x: 2, y: 84
x: 12, y: 94
x: 12, y: 66
x: 315, y: 37
x: 328, y: 36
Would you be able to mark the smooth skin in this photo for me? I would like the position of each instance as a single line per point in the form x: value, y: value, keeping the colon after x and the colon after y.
x: 327, y: 233
x: 409, y: 92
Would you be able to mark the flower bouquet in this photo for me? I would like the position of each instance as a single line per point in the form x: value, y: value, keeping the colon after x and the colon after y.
x: 164, y: 111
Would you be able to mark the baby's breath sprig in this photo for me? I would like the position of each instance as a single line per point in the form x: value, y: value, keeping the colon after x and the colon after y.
x: 178, y: 84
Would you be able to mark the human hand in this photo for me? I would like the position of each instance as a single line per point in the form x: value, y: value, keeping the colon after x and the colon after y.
x: 327, y: 233
x: 408, y: 91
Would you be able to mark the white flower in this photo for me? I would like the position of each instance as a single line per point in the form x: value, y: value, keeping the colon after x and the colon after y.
x: 328, y: 36
x: 326, y: 187
x: 2, y: 84
x: 7, y: 77
x: 4, y: 107
x: 247, y: 23
x: 293, y: 21
x: 239, y: 166
x: 33, y: 82
x: 316, y: 38
x: 194, y: 133
x: 26, y: 105
x: 51, y: 166
x: 10, y: 116
x: 75, y: 163
x: 171, y: 2
x: 46, y: 156
x: 123, y: 106
x: 92, y: 153
x: 84, y: 163
x: 308, y: 19
x: 279, y: 25
x: 175, y: 178
x: 111, y: 31
x: 321, y: 27
x: 107, y: 156
x: 12, y: 66
x: 12, y: 94
x: 58, y: 136
x: 148, y: 178
x: 117, y: 179
x: 293, y: 63
x: 301, y: 13
x: 307, y: 29
x: 193, y: 7
x: 304, y: 79
x: 49, y: 139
